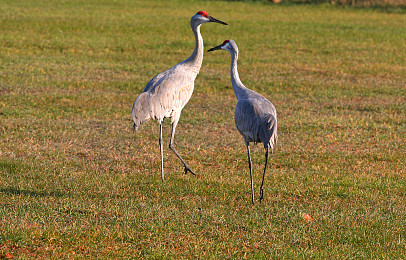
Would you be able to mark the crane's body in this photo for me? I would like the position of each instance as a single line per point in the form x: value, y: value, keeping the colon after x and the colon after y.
x: 167, y: 93
x: 255, y: 116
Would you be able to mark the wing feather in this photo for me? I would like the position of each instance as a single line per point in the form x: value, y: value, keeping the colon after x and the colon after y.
x: 255, y: 119
x: 169, y: 92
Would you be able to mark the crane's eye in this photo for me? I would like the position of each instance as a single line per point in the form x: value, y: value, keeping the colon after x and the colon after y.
x: 225, y: 42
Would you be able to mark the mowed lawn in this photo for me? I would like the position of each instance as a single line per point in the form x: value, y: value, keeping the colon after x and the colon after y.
x: 76, y: 182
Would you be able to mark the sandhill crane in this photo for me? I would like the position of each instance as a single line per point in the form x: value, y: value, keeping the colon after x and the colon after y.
x: 167, y: 93
x: 255, y: 116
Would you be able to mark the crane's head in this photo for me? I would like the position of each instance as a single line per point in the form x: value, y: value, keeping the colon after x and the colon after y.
x: 227, y: 45
x: 203, y: 17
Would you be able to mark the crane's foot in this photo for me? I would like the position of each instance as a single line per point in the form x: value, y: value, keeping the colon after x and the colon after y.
x: 261, y: 194
x: 188, y: 169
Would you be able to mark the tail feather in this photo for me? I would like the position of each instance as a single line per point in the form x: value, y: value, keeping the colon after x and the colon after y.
x: 140, y: 111
x: 269, y: 134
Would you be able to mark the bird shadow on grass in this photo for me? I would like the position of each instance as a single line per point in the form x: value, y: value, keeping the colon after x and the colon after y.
x: 20, y: 192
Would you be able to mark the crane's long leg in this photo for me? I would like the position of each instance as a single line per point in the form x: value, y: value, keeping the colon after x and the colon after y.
x: 162, y: 150
x: 261, y: 196
x: 250, y: 166
x: 172, y: 147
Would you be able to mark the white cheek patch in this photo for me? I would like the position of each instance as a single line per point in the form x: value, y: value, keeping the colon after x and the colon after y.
x: 226, y: 46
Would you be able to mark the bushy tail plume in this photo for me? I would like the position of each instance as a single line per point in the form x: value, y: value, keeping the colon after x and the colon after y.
x: 270, y: 132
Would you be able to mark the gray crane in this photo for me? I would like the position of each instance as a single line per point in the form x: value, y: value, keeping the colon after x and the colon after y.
x: 255, y: 116
x: 167, y: 93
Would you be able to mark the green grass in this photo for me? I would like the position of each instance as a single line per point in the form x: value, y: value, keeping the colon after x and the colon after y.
x: 76, y: 182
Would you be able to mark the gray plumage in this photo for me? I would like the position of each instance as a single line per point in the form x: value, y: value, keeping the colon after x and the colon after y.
x: 167, y: 93
x: 255, y: 116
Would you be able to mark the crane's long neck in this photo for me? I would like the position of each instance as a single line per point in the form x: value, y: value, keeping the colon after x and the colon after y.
x: 239, y: 89
x: 195, y: 60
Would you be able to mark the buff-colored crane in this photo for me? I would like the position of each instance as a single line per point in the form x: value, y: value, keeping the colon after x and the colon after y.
x: 167, y: 93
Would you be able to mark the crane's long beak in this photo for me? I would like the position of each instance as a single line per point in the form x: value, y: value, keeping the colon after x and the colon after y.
x: 216, y: 48
x: 212, y: 19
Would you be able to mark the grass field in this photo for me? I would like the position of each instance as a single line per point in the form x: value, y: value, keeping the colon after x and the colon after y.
x: 76, y: 182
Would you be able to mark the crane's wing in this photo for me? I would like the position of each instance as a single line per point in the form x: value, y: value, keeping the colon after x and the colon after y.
x: 169, y: 92
x: 154, y: 81
x: 256, y: 120
x: 174, y: 90
x: 245, y: 119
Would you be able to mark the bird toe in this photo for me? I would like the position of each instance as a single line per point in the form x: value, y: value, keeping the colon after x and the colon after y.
x: 187, y: 169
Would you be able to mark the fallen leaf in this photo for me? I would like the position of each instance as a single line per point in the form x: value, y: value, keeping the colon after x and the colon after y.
x: 307, y: 217
x: 9, y: 256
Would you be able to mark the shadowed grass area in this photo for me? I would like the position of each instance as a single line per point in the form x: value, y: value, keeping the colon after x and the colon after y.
x: 76, y: 182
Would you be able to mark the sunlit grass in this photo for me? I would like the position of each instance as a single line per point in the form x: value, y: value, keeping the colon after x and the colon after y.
x: 75, y: 181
